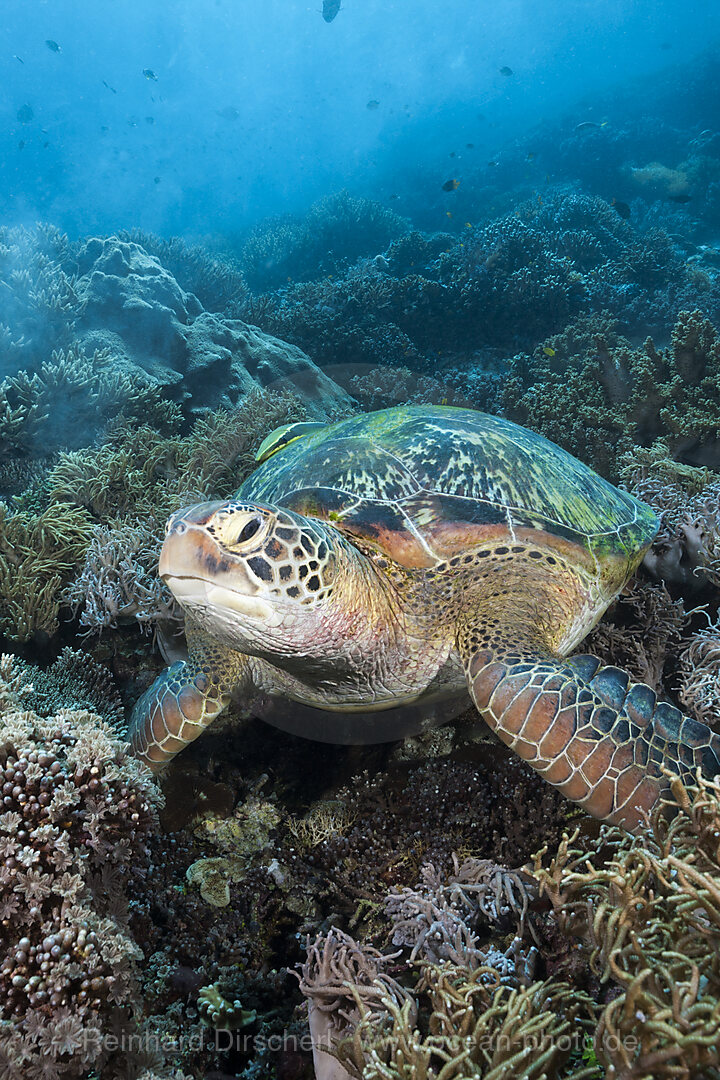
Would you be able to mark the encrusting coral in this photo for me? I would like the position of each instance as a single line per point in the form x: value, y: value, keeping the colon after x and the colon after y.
x: 77, y: 812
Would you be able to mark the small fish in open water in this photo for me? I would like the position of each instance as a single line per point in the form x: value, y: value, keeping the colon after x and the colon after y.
x: 150, y: 74
x: 506, y: 71
x: 451, y: 185
x: 330, y: 9
x: 53, y: 46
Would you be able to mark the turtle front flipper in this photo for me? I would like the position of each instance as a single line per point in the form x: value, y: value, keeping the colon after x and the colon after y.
x: 601, y: 739
x: 184, y: 700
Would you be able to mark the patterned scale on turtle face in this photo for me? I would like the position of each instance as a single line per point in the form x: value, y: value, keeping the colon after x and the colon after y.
x: 269, y: 551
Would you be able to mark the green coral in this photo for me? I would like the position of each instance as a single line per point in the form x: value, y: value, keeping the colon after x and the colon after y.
x: 591, y: 392
x: 220, y: 1013
x: 38, y: 554
x: 88, y: 532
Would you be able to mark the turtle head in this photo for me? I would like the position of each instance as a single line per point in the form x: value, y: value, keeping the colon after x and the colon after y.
x: 263, y: 580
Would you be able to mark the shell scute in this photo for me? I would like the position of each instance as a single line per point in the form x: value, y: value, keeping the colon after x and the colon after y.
x: 443, y: 467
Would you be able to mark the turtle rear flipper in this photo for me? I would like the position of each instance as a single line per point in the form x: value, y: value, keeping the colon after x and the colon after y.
x: 601, y: 739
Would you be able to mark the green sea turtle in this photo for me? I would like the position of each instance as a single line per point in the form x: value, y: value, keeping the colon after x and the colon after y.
x: 403, y: 556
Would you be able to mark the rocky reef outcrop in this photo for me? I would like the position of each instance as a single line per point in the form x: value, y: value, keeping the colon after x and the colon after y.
x: 133, y: 306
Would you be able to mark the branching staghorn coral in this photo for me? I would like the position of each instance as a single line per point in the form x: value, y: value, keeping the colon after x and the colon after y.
x: 39, y: 303
x: 325, y: 819
x: 69, y: 401
x: 648, y: 909
x: 222, y: 1013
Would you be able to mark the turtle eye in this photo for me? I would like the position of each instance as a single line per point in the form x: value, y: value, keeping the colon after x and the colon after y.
x: 249, y: 530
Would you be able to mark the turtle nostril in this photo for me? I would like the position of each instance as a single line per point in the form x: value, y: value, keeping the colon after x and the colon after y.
x: 250, y: 529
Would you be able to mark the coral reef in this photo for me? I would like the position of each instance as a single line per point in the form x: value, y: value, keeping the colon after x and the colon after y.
x: 92, y: 538
x: 132, y: 384
x: 337, y: 230
x: 77, y: 811
x: 433, y: 303
x: 596, y: 396
x: 69, y: 402
x: 647, y: 910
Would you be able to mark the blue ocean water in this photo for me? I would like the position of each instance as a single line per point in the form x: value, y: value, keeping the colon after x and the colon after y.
x: 258, y: 109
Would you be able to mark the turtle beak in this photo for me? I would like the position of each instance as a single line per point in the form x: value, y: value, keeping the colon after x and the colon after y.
x: 189, y: 551
x: 200, y: 573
